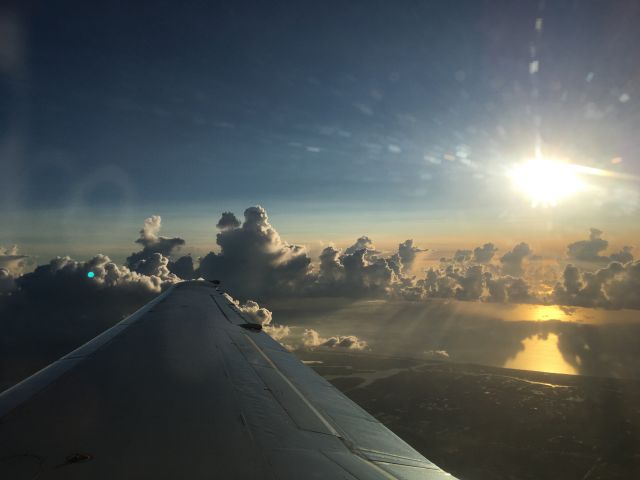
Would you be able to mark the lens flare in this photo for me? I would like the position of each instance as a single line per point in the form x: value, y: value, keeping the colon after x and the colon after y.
x: 546, y: 181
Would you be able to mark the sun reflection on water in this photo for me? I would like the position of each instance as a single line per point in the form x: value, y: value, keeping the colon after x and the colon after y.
x: 541, y: 353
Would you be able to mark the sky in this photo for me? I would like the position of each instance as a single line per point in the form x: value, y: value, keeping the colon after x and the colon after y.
x: 374, y: 176
x: 391, y: 119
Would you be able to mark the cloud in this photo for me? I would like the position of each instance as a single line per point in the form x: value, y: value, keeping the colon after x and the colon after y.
x: 462, y: 256
x: 508, y: 289
x: 359, y: 273
x: 64, y: 278
x: 183, y: 267
x: 7, y: 281
x: 590, y: 250
x: 407, y: 253
x: 615, y: 286
x: 251, y: 309
x: 261, y: 315
x: 362, y: 243
x: 473, y: 282
x: 512, y: 261
x: 11, y: 260
x: 57, y: 307
x: 485, y: 253
x: 227, y: 220
x: 623, y: 256
x: 152, y: 243
x: 437, y: 354
x: 311, y: 339
x: 254, y: 261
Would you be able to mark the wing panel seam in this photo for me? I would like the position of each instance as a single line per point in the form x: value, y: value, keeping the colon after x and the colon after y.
x: 306, y: 401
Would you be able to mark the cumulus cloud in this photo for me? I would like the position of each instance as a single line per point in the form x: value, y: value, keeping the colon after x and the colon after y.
x: 57, y: 307
x: 407, y: 253
x: 437, y: 354
x: 485, y: 253
x: 358, y: 273
x: 623, y: 256
x: 11, y: 260
x: 183, y: 267
x: 65, y: 278
x: 152, y: 243
x: 473, y: 282
x: 461, y: 256
x: 513, y: 261
x: 254, y: 261
x: 312, y: 339
x: 261, y: 315
x: 362, y: 243
x: 228, y: 220
x: 591, y: 250
x: 252, y: 310
x: 508, y: 289
x: 615, y: 286
x: 7, y: 281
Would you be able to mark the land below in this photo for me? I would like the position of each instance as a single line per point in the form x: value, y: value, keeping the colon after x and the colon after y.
x: 482, y: 422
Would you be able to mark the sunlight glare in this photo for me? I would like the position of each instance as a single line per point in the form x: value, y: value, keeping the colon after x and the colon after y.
x: 546, y: 181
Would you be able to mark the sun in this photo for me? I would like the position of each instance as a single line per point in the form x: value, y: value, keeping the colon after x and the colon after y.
x: 546, y: 181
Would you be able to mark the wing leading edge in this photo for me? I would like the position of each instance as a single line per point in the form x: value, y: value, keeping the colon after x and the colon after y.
x: 187, y: 388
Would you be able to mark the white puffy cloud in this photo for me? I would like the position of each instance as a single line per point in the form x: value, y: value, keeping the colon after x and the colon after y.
x: 254, y: 261
x: 261, y: 315
x: 251, y: 309
x: 152, y: 244
x: 359, y: 273
x: 312, y: 339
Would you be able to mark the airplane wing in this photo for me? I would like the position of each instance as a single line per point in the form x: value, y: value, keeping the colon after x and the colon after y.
x: 188, y: 388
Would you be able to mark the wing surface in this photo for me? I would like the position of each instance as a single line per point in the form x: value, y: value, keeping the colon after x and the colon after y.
x: 187, y: 387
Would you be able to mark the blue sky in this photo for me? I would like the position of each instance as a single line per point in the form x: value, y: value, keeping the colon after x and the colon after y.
x: 342, y: 118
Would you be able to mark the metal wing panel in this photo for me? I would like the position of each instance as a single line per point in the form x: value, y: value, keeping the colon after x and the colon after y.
x: 179, y: 390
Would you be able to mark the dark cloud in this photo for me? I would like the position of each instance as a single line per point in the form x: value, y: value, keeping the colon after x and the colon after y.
x: 254, y: 261
x: 359, y: 273
x: 512, y: 261
x: 228, y: 220
x: 152, y: 243
x: 588, y: 250
x: 363, y: 243
x: 7, y: 281
x: 183, y: 267
x: 615, y: 286
x: 463, y: 283
x: 508, y: 289
x: 623, y: 256
x: 485, y: 253
x: 407, y: 253
x: 591, y: 250
x: 57, y: 307
x: 462, y: 256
